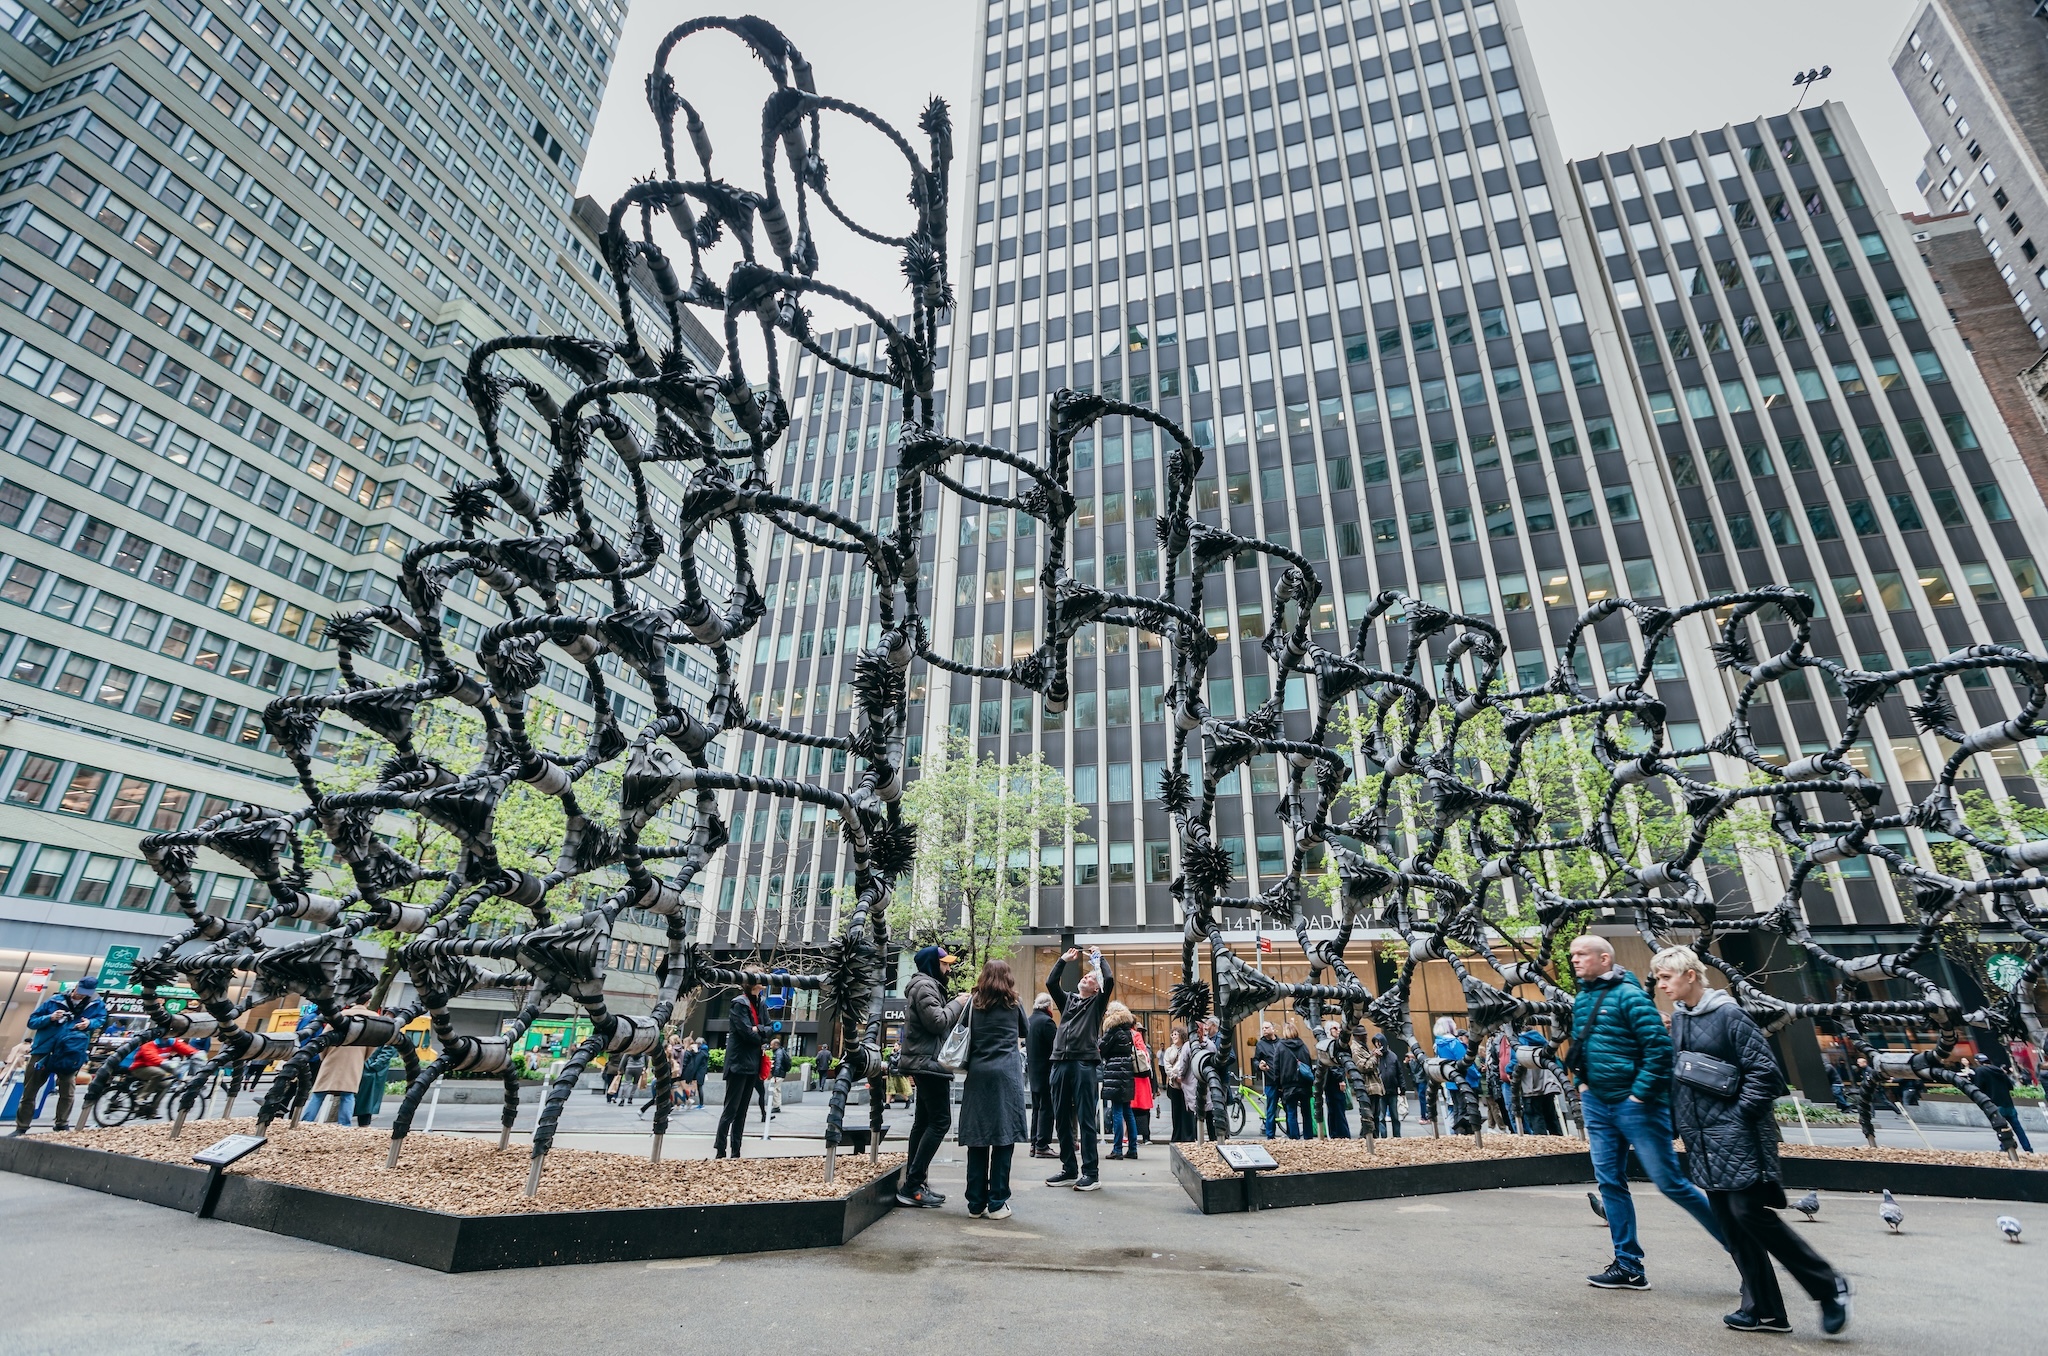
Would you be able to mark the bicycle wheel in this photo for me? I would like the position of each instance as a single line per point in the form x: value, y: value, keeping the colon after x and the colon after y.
x: 1237, y: 1115
x: 113, y: 1109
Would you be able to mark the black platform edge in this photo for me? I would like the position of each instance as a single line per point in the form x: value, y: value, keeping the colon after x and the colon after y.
x: 455, y: 1243
x: 1225, y: 1195
x: 1916, y: 1179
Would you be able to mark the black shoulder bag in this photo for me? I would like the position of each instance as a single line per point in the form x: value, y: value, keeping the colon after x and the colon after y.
x: 1576, y: 1060
x: 1704, y: 1071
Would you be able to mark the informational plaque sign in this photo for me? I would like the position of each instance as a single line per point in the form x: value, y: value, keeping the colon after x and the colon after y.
x: 1245, y: 1157
x: 222, y: 1152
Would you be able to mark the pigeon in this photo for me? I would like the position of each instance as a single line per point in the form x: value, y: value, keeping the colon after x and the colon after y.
x: 1808, y: 1205
x: 1890, y: 1213
x: 1593, y: 1199
x: 2010, y: 1227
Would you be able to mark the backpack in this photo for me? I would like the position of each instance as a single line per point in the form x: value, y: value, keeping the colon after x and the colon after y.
x: 1141, y: 1061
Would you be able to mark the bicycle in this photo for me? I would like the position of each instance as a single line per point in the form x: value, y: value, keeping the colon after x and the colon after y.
x: 1245, y: 1105
x: 123, y: 1103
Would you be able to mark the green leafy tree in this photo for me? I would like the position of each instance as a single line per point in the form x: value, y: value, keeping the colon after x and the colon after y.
x: 1560, y: 774
x: 2002, y: 821
x: 980, y: 824
x: 527, y: 829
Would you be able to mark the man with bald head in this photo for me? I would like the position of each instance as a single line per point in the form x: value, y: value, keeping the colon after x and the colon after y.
x: 1621, y: 1059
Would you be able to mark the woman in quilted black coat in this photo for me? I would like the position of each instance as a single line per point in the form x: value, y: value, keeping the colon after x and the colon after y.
x: 1119, y: 1078
x: 1723, y: 1102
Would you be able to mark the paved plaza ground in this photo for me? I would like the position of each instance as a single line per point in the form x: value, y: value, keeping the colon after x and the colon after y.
x: 1129, y: 1269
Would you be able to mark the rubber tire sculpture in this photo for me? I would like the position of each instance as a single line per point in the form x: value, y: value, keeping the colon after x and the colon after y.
x: 1419, y: 677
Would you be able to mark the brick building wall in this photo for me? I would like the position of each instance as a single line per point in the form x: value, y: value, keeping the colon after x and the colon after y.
x: 1990, y: 325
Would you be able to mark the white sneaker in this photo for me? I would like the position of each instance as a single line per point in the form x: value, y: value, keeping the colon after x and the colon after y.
x: 998, y: 1212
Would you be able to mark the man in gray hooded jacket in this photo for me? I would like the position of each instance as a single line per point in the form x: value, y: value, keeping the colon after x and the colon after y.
x: 927, y: 1020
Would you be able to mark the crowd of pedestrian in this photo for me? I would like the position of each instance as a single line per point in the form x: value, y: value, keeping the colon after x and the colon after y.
x: 1076, y: 1066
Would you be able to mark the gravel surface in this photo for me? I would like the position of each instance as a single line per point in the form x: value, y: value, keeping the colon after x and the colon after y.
x: 1954, y: 1158
x: 1340, y: 1155
x: 466, y: 1176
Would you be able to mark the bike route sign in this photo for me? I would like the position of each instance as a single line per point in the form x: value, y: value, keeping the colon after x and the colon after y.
x: 118, y: 965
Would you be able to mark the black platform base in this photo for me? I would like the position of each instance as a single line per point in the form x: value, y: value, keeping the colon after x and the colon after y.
x: 444, y: 1242
x: 1273, y: 1191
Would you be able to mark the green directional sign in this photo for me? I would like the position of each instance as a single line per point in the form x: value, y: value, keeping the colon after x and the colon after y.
x: 2005, y: 968
x: 114, y: 970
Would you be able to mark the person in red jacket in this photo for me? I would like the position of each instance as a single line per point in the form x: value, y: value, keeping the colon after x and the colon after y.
x: 147, y: 1067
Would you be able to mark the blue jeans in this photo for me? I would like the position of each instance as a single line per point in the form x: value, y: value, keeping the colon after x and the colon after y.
x: 1121, y: 1119
x: 345, y: 1115
x: 1336, y: 1122
x: 1613, y: 1128
x: 1272, y: 1108
x: 1299, y: 1120
x: 2012, y: 1118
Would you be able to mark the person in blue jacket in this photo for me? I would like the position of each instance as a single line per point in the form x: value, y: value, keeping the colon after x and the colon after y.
x: 1464, y: 1084
x: 1621, y: 1057
x: 64, y: 1025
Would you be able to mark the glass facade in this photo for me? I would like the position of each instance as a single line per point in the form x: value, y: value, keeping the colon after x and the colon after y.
x: 247, y: 254
x: 782, y: 877
x: 1974, y: 73
x: 1337, y: 243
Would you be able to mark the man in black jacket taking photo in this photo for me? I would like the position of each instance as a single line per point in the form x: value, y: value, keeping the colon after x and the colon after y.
x: 1077, y: 1066
x: 1038, y: 1039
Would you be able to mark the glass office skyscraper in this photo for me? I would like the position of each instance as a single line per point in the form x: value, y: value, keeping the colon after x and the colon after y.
x: 248, y: 252
x: 1338, y: 243
x: 1818, y: 423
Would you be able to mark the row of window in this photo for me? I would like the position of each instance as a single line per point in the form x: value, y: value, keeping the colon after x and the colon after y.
x: 36, y: 781
x: 115, y: 688
x: 49, y: 519
x: 257, y: 64
x: 40, y: 871
x: 162, y: 312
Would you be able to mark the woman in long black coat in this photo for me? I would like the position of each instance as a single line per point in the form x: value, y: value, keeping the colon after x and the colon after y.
x: 992, y: 1116
x: 1723, y: 1105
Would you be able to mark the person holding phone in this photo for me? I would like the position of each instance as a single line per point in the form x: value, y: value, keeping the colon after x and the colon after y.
x: 1076, y: 1067
x: 62, y: 1029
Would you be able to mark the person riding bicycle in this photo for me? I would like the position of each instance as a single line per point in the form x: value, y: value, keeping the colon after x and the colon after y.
x: 147, y: 1066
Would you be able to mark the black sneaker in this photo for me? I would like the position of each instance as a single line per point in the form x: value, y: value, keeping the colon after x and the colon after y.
x: 1062, y: 1179
x: 1742, y: 1321
x: 919, y: 1199
x: 1619, y: 1277
x: 1834, y: 1313
x: 938, y: 1197
x: 1087, y: 1184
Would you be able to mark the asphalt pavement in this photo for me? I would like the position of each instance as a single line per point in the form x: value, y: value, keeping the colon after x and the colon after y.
x: 1129, y: 1268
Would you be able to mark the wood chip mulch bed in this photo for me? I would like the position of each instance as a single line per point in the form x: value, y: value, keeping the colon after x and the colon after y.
x: 1349, y: 1155
x: 1951, y: 1158
x: 465, y: 1176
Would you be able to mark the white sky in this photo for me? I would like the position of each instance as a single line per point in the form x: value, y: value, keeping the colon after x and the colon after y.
x: 1614, y: 72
